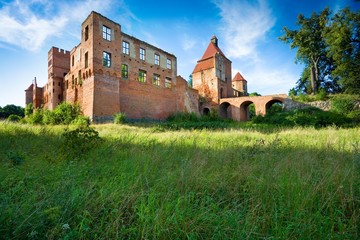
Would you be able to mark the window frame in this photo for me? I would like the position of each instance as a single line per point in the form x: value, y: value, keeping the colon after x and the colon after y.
x: 106, y: 33
x: 125, y: 71
x: 156, y: 79
x: 126, y: 47
x: 168, y: 82
x: 106, y: 61
x: 157, y: 59
x: 142, y: 76
x: 168, y: 63
x: 142, y: 54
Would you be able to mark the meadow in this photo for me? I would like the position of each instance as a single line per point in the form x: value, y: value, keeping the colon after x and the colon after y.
x: 142, y: 182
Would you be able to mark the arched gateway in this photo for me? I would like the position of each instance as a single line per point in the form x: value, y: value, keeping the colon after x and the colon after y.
x: 237, y: 108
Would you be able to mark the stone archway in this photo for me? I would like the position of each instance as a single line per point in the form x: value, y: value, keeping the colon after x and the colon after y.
x: 244, y: 110
x: 225, y: 110
x: 272, y: 103
x: 206, y: 111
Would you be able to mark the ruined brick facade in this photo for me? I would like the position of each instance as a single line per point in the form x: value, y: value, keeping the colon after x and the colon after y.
x: 110, y: 72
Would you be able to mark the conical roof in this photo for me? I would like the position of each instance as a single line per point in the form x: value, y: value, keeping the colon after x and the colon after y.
x: 238, y: 77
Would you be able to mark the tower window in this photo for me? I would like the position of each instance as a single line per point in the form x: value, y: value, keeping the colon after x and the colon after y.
x: 106, y: 33
x: 168, y: 63
x: 142, y: 54
x: 124, y: 71
x: 157, y: 59
x: 156, y: 79
x: 125, y: 48
x: 168, y: 82
x: 86, y: 33
x: 106, y: 59
x: 142, y: 76
x: 86, y: 60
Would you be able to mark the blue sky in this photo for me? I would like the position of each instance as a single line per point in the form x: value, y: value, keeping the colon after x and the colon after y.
x: 247, y: 30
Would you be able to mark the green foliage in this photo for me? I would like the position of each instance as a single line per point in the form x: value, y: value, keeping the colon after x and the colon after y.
x: 11, y: 109
x: 14, y: 158
x: 29, y: 109
x: 64, y: 113
x: 81, y: 121
x: 80, y: 140
x: 14, y: 118
x: 344, y: 104
x: 310, y: 116
x: 119, y: 118
x: 329, y: 48
x: 296, y: 183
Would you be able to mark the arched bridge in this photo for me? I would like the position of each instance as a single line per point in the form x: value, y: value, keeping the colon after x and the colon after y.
x: 238, y: 108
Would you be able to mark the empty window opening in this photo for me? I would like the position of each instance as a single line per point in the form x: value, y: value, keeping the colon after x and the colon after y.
x: 86, y: 33
x: 106, y: 33
x: 156, y: 79
x: 168, y: 63
x: 126, y: 48
x: 142, y: 54
x: 86, y: 59
x: 106, y: 59
x: 142, y: 76
x: 124, y: 71
x: 157, y: 59
x: 168, y: 82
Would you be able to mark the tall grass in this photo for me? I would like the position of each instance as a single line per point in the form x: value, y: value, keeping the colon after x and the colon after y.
x: 300, y: 183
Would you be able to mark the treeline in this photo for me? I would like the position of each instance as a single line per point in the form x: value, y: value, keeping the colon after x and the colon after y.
x: 328, y: 45
x: 64, y: 113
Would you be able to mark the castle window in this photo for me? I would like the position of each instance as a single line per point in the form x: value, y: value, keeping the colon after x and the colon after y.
x: 86, y: 33
x: 106, y: 33
x: 125, y: 48
x: 142, y: 54
x: 142, y: 76
x: 106, y: 59
x: 168, y: 82
x: 157, y: 59
x: 156, y: 79
x: 168, y: 63
x: 72, y: 60
x: 86, y: 60
x: 124, y: 71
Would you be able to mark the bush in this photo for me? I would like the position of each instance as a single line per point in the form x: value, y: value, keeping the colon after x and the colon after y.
x: 81, y: 121
x: 14, y: 118
x: 119, y: 118
x: 80, y: 140
x: 344, y: 104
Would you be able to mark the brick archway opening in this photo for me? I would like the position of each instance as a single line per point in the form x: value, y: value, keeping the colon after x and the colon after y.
x: 225, y: 110
x: 244, y: 110
x: 274, y: 105
x: 206, y: 111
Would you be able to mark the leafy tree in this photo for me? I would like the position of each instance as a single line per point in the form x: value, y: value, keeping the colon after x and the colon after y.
x: 343, y: 39
x: 190, y: 82
x: 11, y: 109
x: 309, y: 42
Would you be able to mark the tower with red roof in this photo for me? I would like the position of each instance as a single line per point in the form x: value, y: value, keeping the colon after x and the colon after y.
x: 212, y: 74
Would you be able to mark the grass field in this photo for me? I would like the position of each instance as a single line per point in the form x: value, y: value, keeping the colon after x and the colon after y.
x: 140, y: 183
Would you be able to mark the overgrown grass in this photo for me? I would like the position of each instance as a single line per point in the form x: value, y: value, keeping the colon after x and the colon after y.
x: 300, y: 183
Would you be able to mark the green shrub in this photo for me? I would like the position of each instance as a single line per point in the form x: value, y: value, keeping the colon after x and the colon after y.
x: 14, y: 118
x: 80, y: 140
x: 36, y: 117
x: 119, y: 118
x: 344, y: 104
x: 81, y: 121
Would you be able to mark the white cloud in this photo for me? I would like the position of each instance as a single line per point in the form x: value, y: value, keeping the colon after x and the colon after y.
x: 28, y: 24
x: 187, y: 43
x: 244, y: 24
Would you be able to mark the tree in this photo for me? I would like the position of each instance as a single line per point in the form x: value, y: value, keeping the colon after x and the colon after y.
x: 330, y: 50
x: 11, y: 109
x: 190, y: 82
x: 310, y: 44
x: 343, y: 38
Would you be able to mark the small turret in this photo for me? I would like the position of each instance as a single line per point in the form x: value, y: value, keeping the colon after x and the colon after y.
x: 240, y: 84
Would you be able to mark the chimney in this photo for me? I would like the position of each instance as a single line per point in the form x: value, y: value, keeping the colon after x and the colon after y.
x: 214, y: 40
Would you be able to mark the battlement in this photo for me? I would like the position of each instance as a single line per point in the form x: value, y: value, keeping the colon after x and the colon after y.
x: 55, y: 50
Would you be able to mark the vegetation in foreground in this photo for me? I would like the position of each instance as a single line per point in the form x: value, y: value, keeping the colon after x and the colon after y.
x: 132, y: 182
